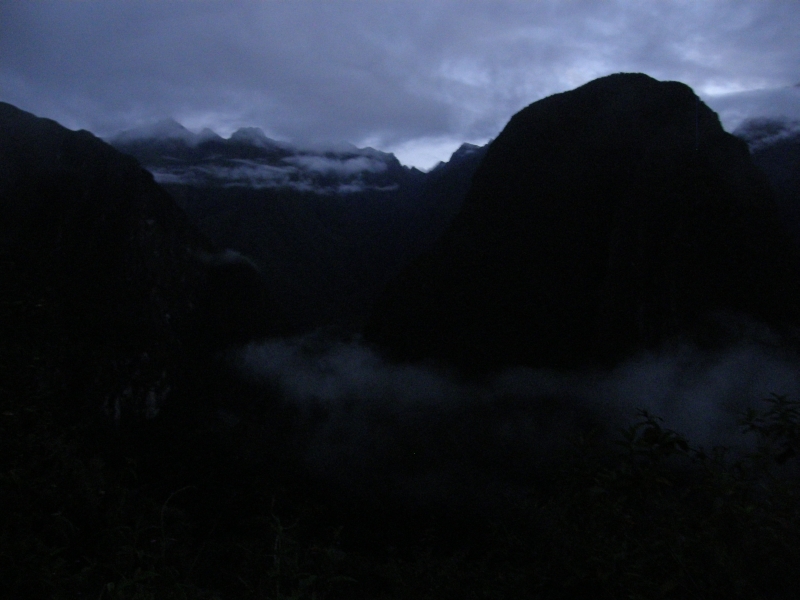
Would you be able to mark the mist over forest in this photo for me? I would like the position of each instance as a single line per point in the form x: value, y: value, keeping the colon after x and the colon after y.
x: 563, y: 362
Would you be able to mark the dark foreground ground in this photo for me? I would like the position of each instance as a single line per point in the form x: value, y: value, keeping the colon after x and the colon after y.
x: 211, y: 502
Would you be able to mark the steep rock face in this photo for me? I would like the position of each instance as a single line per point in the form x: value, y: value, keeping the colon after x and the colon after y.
x: 444, y: 190
x: 775, y: 147
x: 108, y: 271
x: 602, y: 220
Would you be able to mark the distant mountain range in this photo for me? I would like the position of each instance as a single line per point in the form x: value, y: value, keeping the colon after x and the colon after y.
x: 328, y: 226
x: 250, y: 159
x: 601, y: 220
x: 332, y: 227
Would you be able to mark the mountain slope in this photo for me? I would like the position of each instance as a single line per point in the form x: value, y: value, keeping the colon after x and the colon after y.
x: 775, y: 147
x: 329, y: 227
x: 605, y: 219
x: 104, y: 273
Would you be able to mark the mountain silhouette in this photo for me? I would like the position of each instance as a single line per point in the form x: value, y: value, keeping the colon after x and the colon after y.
x: 602, y: 220
x: 101, y: 267
x: 328, y: 226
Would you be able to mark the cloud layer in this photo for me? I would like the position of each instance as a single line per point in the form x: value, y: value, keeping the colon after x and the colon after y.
x: 303, y: 172
x: 428, y: 436
x: 385, y: 74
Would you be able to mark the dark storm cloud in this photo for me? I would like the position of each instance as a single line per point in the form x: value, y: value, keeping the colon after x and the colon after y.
x: 389, y: 74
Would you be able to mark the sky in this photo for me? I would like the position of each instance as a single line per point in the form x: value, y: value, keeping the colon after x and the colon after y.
x: 410, y: 77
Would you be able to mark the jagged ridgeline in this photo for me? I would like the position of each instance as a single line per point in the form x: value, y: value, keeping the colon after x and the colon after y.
x: 329, y: 226
x: 602, y: 220
x: 103, y: 273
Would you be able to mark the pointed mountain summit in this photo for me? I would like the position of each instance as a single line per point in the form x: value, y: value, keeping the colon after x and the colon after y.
x: 602, y: 220
x: 166, y: 129
x: 253, y: 136
x: 464, y: 151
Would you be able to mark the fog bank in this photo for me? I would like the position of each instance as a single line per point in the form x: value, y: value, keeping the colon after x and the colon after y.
x: 424, y: 435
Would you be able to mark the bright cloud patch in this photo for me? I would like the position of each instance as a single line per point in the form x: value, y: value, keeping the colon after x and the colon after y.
x: 761, y: 132
x: 337, y: 166
x: 426, y: 153
x: 778, y: 104
x: 306, y: 173
x: 240, y: 172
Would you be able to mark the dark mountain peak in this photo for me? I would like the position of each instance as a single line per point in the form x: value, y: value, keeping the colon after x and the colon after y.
x: 163, y: 130
x: 86, y: 231
x: 206, y: 134
x: 466, y: 154
x: 169, y: 127
x: 13, y: 118
x: 380, y: 155
x: 253, y: 136
x: 601, y: 220
x: 464, y: 150
x: 164, y: 134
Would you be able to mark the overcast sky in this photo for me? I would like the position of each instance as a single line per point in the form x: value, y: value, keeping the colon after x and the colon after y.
x: 413, y: 77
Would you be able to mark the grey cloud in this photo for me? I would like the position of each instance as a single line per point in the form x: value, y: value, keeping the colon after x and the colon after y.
x: 255, y: 136
x: 182, y: 177
x: 361, y: 418
x: 700, y: 394
x: 167, y: 129
x: 355, y: 187
x: 378, y: 73
x: 350, y: 188
x: 239, y: 172
x: 337, y: 166
x: 735, y: 108
x: 761, y: 132
x: 301, y: 175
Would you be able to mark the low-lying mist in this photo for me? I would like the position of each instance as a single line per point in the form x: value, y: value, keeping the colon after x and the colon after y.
x: 418, y: 435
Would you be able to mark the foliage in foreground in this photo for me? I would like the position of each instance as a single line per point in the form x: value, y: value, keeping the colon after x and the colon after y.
x: 650, y: 517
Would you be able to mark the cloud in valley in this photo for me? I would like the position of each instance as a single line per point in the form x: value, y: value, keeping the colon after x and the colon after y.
x: 301, y: 172
x: 238, y: 172
x: 337, y: 166
x: 364, y: 419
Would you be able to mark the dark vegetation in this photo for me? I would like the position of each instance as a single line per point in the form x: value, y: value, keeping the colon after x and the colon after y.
x: 178, y: 509
x: 136, y: 462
